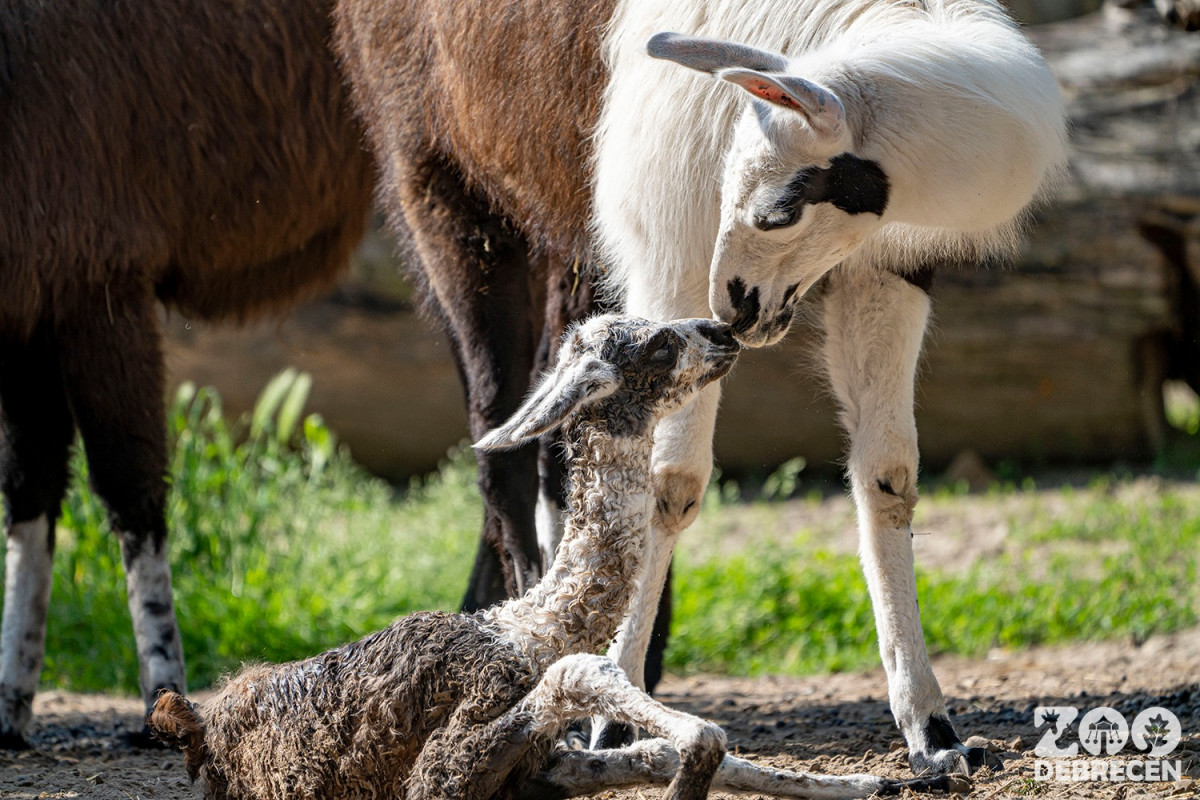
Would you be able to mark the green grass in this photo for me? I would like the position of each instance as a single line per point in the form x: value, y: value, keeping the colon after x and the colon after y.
x: 281, y: 547
x: 1116, y: 565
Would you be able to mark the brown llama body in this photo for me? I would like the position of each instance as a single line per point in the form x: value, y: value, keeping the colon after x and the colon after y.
x: 480, y: 115
x: 201, y: 155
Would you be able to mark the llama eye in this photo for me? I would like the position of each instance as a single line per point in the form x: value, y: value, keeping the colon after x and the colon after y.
x: 778, y: 217
x: 663, y: 350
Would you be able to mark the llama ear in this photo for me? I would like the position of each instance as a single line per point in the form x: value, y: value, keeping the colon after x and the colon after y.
x: 564, y: 390
x: 712, y: 55
x: 820, y: 107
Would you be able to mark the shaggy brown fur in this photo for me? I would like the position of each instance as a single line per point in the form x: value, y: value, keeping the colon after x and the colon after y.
x: 349, y: 722
x: 480, y: 115
x: 200, y: 154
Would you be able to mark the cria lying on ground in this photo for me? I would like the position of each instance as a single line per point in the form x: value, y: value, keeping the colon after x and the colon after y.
x: 469, y: 706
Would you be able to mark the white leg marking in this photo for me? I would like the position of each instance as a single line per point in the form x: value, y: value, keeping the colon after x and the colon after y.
x: 160, y: 654
x: 875, y: 324
x: 29, y: 570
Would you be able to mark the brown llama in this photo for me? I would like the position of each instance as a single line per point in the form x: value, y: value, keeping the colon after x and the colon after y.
x: 470, y: 706
x: 201, y: 155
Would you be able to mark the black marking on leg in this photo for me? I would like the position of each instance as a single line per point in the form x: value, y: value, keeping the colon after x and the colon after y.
x: 943, y: 745
x: 939, y: 733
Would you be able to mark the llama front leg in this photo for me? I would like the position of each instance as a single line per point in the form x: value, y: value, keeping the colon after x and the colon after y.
x: 682, y: 465
x: 35, y: 435
x: 875, y: 323
x: 589, y: 685
x: 113, y: 372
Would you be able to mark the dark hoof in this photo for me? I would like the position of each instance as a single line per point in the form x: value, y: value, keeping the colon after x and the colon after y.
x: 947, y: 755
x: 957, y: 760
x: 612, y: 735
x: 951, y: 784
x: 980, y: 758
x: 13, y: 741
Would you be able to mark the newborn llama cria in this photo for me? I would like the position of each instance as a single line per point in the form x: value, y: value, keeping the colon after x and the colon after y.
x: 470, y: 706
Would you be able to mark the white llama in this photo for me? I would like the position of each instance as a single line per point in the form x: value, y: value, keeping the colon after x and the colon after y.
x: 852, y: 142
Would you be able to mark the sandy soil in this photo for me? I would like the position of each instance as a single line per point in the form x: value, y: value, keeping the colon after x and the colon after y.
x: 834, y: 724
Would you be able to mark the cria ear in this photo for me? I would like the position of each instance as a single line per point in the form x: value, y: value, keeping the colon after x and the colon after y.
x: 712, y: 55
x: 175, y: 722
x: 570, y: 386
x: 821, y: 108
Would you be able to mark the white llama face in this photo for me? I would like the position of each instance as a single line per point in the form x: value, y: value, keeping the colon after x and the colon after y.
x: 796, y: 197
x: 794, y: 204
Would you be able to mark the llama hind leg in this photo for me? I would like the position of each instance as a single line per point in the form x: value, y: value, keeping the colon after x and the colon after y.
x: 35, y: 434
x: 112, y: 366
x: 875, y: 323
x: 589, y: 685
x: 478, y: 271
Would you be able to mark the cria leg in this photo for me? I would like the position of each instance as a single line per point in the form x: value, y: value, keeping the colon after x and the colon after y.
x: 875, y: 322
x: 573, y: 773
x: 466, y: 761
x: 588, y: 685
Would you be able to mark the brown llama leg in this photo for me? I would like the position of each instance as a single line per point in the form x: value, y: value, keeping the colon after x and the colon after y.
x: 35, y: 434
x: 478, y: 272
x: 112, y: 366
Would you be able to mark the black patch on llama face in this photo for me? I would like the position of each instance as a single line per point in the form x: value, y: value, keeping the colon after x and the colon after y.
x: 854, y: 185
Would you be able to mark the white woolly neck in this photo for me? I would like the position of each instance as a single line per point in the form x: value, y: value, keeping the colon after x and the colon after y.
x: 578, y: 605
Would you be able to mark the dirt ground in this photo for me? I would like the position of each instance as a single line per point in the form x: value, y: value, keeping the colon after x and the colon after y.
x: 834, y: 724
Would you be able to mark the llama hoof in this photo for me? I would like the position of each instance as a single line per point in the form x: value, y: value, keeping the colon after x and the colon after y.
x: 13, y: 741
x: 959, y: 760
x: 947, y: 755
x: 612, y: 735
x: 951, y: 784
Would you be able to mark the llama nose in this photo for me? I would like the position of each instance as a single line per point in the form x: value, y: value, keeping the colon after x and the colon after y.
x: 719, y: 334
x: 745, y: 305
